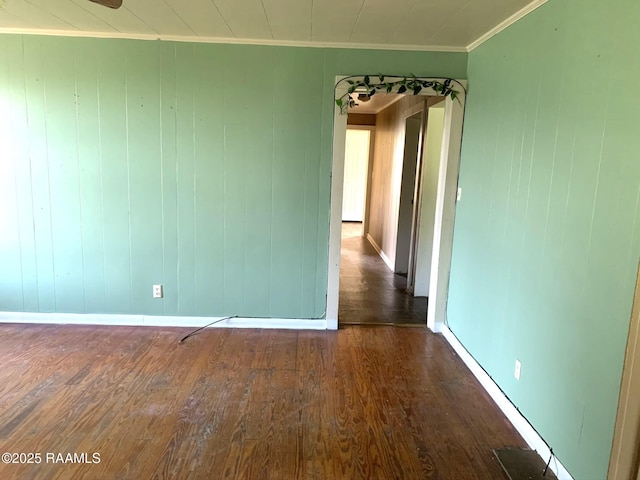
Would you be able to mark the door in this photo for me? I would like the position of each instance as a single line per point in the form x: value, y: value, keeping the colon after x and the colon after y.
x: 356, y: 160
x: 426, y: 214
x: 413, y: 126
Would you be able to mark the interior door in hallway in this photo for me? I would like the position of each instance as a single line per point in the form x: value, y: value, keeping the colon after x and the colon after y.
x: 412, y: 141
x: 355, y: 174
x: 420, y: 271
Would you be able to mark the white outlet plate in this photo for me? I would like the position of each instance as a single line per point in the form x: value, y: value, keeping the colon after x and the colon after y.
x: 459, y: 195
x: 516, y: 372
x: 157, y: 291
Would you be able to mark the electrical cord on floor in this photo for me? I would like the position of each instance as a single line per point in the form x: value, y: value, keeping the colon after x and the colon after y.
x: 205, y: 326
x: 238, y: 316
x: 546, y: 468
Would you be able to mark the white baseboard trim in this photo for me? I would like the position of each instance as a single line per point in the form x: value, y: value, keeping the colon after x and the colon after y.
x: 332, y: 323
x: 383, y: 255
x: 527, y: 432
x: 161, y: 321
x: 438, y: 327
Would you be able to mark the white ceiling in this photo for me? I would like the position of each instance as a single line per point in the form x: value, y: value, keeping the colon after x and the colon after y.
x: 398, y: 24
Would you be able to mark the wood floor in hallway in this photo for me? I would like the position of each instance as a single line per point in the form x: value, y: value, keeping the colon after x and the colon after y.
x: 370, y: 293
x: 364, y: 402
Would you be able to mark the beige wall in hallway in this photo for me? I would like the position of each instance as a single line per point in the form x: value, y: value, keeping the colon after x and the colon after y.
x: 387, y: 173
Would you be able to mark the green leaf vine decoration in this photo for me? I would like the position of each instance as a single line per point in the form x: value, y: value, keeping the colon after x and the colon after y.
x: 409, y: 84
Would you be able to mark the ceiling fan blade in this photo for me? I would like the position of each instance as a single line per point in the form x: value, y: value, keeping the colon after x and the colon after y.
x: 108, y: 3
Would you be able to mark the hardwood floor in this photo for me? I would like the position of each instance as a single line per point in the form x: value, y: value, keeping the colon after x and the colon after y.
x: 360, y: 403
x: 370, y: 293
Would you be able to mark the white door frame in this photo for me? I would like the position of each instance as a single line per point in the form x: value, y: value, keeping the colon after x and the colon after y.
x: 417, y: 210
x: 445, y: 207
x: 624, y: 451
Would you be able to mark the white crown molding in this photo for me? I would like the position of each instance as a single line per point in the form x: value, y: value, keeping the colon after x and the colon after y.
x: 506, y: 23
x: 284, y: 43
x: 233, y: 41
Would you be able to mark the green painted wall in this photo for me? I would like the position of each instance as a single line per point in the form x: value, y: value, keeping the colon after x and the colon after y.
x: 202, y: 167
x: 547, y: 235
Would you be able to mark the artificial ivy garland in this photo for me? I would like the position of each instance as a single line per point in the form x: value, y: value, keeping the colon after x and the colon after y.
x: 407, y: 84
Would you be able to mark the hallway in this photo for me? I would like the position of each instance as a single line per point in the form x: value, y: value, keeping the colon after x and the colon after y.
x: 370, y: 293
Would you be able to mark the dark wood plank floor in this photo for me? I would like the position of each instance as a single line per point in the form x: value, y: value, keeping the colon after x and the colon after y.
x: 360, y: 403
x: 370, y: 293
